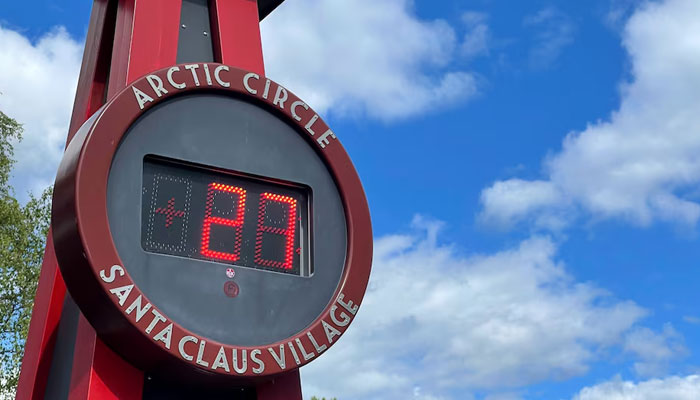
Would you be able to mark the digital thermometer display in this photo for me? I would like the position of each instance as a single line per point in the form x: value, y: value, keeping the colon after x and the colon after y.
x: 231, y: 218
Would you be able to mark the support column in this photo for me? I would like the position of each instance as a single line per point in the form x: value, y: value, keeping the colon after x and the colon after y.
x: 145, y: 39
x: 237, y: 34
x: 127, y: 39
x: 51, y: 290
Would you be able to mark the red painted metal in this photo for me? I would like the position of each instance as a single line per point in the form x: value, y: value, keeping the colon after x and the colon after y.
x: 43, y: 327
x: 48, y: 302
x: 84, y: 240
x: 98, y: 373
x: 94, y: 71
x: 283, y: 387
x: 145, y: 38
x: 236, y: 30
x: 126, y: 39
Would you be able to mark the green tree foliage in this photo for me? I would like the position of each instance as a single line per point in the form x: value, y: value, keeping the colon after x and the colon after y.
x: 23, y: 230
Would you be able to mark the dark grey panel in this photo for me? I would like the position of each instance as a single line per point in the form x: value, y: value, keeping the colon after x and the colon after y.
x: 155, y: 388
x: 228, y: 133
x: 265, y: 7
x: 58, y: 382
x: 194, y: 42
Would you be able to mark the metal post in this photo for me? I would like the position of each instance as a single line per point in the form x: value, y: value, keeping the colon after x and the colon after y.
x: 126, y: 39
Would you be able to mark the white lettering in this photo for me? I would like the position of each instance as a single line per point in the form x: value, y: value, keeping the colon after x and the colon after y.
x: 200, y: 353
x: 310, y: 124
x: 181, y: 346
x: 217, y: 75
x: 267, y: 89
x: 318, y: 348
x: 113, y: 270
x: 141, y: 97
x: 294, y: 353
x: 323, y: 141
x: 349, y: 305
x: 122, y: 293
x: 140, y: 311
x: 174, y: 84
x: 307, y: 356
x: 294, y: 109
x: 157, y: 317
x: 345, y: 317
x: 246, y: 82
x: 207, y: 75
x: 220, y: 360
x: 331, y: 332
x: 165, y: 336
x: 254, y: 358
x: 244, y: 361
x: 280, y: 97
x: 193, y: 68
x: 157, y: 85
x: 280, y: 359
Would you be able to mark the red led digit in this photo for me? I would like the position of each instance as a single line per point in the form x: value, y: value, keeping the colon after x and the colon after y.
x: 289, y: 232
x: 236, y: 223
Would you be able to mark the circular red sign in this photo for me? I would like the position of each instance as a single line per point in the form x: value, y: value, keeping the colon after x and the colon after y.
x: 231, y: 289
x: 100, y: 283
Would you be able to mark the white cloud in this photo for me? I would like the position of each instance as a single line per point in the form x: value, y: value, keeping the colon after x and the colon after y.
x: 554, y: 31
x: 618, y: 13
x: 653, y: 350
x: 476, y: 40
x: 438, y: 321
x: 639, y: 164
x: 364, y: 56
x: 354, y: 56
x: 504, y: 396
x: 509, y: 200
x: 38, y: 81
x: 670, y: 388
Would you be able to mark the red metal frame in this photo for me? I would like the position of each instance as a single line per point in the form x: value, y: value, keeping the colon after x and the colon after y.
x: 48, y: 302
x: 145, y: 38
x: 92, y: 83
x: 126, y: 39
x: 283, y: 387
x: 98, y: 372
x: 236, y: 36
x: 43, y: 328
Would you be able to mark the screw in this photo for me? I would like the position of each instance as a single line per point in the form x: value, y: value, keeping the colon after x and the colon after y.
x: 205, y: 33
x: 184, y: 26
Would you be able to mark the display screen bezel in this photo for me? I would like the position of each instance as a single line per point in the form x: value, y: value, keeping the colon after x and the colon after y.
x: 305, y: 269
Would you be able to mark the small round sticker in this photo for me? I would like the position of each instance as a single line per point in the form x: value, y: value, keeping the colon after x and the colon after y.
x: 231, y: 289
x: 230, y: 272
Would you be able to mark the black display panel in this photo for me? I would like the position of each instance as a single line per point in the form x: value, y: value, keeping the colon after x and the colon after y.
x: 226, y: 217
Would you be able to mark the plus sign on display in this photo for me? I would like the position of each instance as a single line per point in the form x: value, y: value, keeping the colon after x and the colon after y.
x: 192, y: 171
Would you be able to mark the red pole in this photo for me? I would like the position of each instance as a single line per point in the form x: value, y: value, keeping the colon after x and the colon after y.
x: 285, y: 387
x: 237, y: 34
x: 126, y: 39
x: 48, y: 302
x: 145, y: 39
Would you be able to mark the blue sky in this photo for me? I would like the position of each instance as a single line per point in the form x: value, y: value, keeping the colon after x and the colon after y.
x: 532, y: 168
